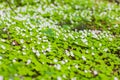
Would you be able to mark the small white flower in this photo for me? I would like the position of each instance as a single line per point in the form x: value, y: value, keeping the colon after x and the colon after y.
x: 83, y: 57
x: 110, y: 39
x: 66, y: 60
x: 82, y: 36
x: 63, y: 62
x: 45, y: 40
x: 43, y: 47
x: 115, y: 78
x: 15, y: 74
x: 0, y: 57
x: 44, y: 52
x: 3, y: 47
x: 95, y: 36
x: 37, y: 53
x: 44, y: 37
x: 3, y: 40
x: 13, y: 43
x: 20, y: 18
x: 67, y: 53
x: 85, y: 71
x: 68, y: 67
x: 14, y: 60
x: 5, y: 29
x: 93, y: 53
x: 48, y: 49
x: 76, y: 66
x: 55, y: 60
x: 1, y: 77
x: 95, y: 72
x: 22, y: 34
x: 38, y: 42
x: 24, y: 53
x: 84, y: 40
x: 100, y: 44
x: 87, y: 51
x: 28, y: 61
x: 58, y: 66
x: 34, y: 50
x: 74, y: 78
x: 92, y: 47
x: 106, y: 49
x: 59, y: 78
x: 21, y: 41
x: 71, y: 53
x: 64, y: 76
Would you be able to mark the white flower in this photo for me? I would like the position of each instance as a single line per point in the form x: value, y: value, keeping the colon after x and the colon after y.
x: 3, y: 47
x: 93, y: 53
x: 115, y: 78
x: 22, y: 34
x: 48, y: 49
x: 55, y: 60
x: 14, y: 60
x: 57, y: 66
x: 74, y: 78
x: 106, y: 49
x: 43, y: 47
x: 95, y: 36
x: 3, y: 40
x: 38, y: 42
x: 68, y: 67
x: 1, y: 77
x: 92, y: 47
x: 59, y: 78
x: 82, y: 36
x: 76, y: 66
x: 119, y: 47
x: 85, y: 71
x: 0, y: 57
x: 83, y: 57
x: 87, y: 51
x: 15, y: 74
x: 84, y: 40
x: 100, y: 44
x: 63, y: 62
x: 66, y: 60
x: 28, y: 61
x: 71, y: 53
x: 24, y: 53
x: 95, y: 72
x: 21, y: 41
x: 37, y: 53
x: 67, y: 53
x: 45, y: 40
x: 20, y: 18
x: 13, y: 43
x: 44, y: 37
x: 24, y: 46
x: 2, y: 13
x: 110, y: 39
x: 33, y: 50
x: 64, y: 76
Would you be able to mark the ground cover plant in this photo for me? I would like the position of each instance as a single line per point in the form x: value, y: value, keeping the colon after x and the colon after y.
x: 59, y: 40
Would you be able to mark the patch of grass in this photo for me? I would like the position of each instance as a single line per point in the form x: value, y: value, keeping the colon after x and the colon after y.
x: 63, y: 40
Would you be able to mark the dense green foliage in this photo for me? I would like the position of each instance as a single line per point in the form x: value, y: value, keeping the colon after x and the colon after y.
x: 59, y: 40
